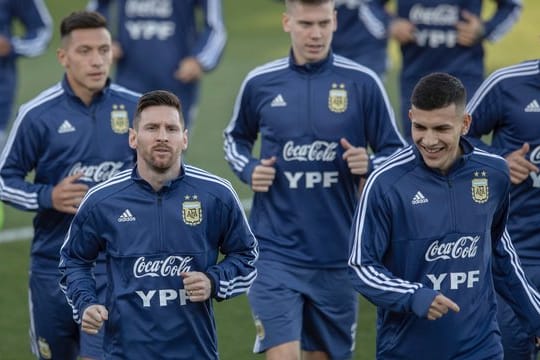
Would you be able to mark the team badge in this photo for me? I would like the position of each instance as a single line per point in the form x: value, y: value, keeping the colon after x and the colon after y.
x: 191, y: 210
x: 259, y: 329
x: 44, y: 349
x: 479, y: 188
x: 337, y: 98
x: 119, y: 119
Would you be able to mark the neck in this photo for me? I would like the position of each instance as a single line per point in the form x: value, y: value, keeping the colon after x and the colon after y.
x: 157, y: 179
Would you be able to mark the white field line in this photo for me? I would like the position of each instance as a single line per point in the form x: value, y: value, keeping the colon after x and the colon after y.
x: 23, y: 233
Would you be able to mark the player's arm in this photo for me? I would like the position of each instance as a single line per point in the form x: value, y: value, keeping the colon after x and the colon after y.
x: 234, y: 274
x: 38, y: 28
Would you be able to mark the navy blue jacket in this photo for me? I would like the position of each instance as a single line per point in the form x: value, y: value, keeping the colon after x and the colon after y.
x: 416, y: 233
x: 508, y: 104
x: 301, y: 113
x: 149, y: 238
x: 56, y: 135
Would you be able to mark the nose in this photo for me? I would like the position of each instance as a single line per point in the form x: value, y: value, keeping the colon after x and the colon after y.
x: 97, y: 60
x: 162, y: 134
x: 316, y: 32
x: 430, y: 138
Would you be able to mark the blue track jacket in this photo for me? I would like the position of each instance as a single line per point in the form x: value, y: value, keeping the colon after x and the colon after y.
x: 508, y: 103
x: 150, y: 238
x: 56, y: 135
x: 417, y: 233
x: 301, y: 113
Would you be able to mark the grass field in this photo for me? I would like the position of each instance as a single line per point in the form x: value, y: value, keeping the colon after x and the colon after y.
x: 255, y: 37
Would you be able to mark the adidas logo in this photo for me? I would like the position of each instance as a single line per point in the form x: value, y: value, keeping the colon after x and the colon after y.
x: 533, y: 107
x: 66, y: 127
x: 278, y: 101
x: 126, y: 216
x: 419, y: 198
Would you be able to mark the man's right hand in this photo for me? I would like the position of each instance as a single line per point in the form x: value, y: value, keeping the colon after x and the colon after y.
x: 440, y: 306
x: 519, y: 166
x: 93, y: 318
x: 263, y: 175
x: 68, y: 194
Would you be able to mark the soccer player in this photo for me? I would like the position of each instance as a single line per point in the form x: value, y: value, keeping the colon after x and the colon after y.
x: 170, y: 30
x: 316, y: 113
x: 507, y: 105
x: 71, y: 137
x: 360, y: 35
x: 35, y: 18
x: 162, y: 226
x: 429, y: 240
x: 444, y: 36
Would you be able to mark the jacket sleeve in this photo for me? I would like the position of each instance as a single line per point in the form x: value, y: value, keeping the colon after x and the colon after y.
x: 506, y: 15
x: 77, y: 258
x: 241, y: 133
x: 509, y: 279
x: 20, y: 157
x: 236, y: 272
x: 382, y: 132
x: 370, y: 240
x: 100, y: 6
x: 211, y: 41
x: 374, y: 17
x: 487, y: 111
x: 37, y: 28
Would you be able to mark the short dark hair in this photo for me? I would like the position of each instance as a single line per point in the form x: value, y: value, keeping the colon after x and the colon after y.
x: 306, y: 2
x: 81, y: 20
x: 157, y: 98
x: 438, y: 90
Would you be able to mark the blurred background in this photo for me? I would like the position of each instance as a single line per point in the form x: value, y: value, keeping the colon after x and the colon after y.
x: 254, y: 37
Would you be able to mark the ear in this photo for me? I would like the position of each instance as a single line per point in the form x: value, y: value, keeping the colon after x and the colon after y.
x: 132, y: 138
x: 185, y: 145
x: 285, y: 20
x: 61, y: 56
x: 467, y: 119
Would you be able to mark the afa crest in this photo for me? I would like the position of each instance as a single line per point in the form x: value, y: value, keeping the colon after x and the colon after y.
x: 337, y: 98
x: 119, y: 119
x: 192, y: 210
x: 44, y: 349
x: 479, y: 187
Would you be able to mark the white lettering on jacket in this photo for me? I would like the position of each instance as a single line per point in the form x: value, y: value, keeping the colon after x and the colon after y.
x: 164, y: 296
x: 464, y: 247
x: 444, y: 14
x: 171, y: 266
x: 97, y: 173
x: 316, y: 151
x: 456, y: 279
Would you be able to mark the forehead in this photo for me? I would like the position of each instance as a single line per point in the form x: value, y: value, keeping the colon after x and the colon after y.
x: 89, y: 37
x: 160, y: 114
x: 436, y: 117
x: 311, y: 12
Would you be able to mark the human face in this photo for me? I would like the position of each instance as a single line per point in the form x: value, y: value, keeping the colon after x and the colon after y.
x: 311, y: 28
x: 436, y: 134
x: 87, y: 57
x: 159, y: 139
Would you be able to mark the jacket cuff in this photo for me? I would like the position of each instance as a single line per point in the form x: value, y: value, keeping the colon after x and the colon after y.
x: 421, y: 301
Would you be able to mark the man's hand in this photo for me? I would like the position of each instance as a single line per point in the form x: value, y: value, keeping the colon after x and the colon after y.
x: 68, y: 194
x: 263, y: 175
x: 520, y: 168
x: 357, y: 157
x: 189, y: 70
x: 402, y: 30
x: 93, y: 318
x: 440, y: 306
x: 5, y: 46
x: 469, y: 31
x: 197, y: 286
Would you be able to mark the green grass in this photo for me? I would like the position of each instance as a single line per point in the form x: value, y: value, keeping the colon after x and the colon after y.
x: 255, y: 37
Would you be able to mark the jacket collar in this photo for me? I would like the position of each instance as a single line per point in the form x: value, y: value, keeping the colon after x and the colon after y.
x: 69, y: 91
x: 311, y: 68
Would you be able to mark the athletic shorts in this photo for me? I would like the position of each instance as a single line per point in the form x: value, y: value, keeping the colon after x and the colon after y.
x: 317, y: 307
x: 53, y: 332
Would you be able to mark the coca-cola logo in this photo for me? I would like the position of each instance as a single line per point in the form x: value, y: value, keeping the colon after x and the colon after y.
x: 316, y: 151
x: 149, y: 8
x: 464, y: 247
x: 97, y: 173
x: 535, y: 155
x: 438, y: 15
x: 170, y: 266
